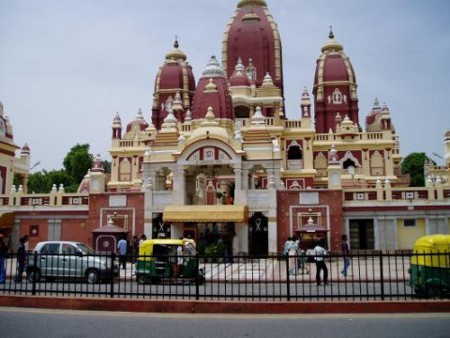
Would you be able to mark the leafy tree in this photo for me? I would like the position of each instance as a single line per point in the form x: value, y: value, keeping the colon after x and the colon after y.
x: 78, y: 161
x: 413, y: 164
x: 107, y: 166
x: 39, y: 182
x: 76, y: 165
x: 42, y: 181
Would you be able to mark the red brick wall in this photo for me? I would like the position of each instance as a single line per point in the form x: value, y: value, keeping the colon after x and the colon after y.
x: 327, y: 213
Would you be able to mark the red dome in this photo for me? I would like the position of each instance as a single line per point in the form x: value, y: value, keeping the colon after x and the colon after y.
x: 212, y: 91
x: 334, y: 87
x: 138, y: 121
x: 174, y: 76
x: 253, y: 36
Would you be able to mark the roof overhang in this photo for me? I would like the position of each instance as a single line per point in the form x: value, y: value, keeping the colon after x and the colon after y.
x: 205, y: 213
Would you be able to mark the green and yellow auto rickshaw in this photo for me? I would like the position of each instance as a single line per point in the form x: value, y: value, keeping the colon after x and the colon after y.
x: 430, y: 266
x: 168, y: 260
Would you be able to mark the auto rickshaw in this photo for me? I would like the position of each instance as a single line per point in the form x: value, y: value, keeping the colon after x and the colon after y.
x: 168, y: 260
x: 430, y: 266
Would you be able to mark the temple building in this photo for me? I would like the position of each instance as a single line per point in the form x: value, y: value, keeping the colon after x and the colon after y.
x: 218, y: 159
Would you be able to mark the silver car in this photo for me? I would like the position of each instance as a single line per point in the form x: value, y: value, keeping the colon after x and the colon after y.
x: 64, y: 259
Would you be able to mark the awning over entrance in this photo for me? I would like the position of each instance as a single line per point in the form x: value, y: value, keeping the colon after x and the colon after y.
x: 205, y: 213
x: 6, y: 220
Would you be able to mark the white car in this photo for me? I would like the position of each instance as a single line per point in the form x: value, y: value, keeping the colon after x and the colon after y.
x: 65, y: 259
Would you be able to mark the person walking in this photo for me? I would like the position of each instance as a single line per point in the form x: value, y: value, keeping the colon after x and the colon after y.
x: 319, y: 255
x: 345, y: 254
x: 22, y: 255
x: 3, y: 254
x: 122, y: 246
x: 292, y: 253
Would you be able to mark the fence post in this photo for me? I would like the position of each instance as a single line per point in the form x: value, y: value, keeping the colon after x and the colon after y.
x: 197, y: 288
x: 111, y: 283
x: 35, y: 259
x: 288, y: 282
x: 381, y: 275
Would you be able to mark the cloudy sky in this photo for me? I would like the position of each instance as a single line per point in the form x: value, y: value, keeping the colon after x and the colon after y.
x: 67, y: 66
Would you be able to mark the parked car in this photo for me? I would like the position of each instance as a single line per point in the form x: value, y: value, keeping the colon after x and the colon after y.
x: 430, y: 266
x: 65, y: 259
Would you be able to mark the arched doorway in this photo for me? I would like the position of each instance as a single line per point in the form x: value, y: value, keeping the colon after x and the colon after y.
x: 258, y: 234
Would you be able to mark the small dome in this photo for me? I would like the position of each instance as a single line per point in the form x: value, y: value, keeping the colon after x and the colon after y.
x: 138, y: 121
x: 379, y: 118
x: 97, y: 165
x: 209, y: 129
x: 25, y: 149
x: 239, y: 77
x: 332, y: 45
x: 176, y: 54
x: 213, y: 68
x: 251, y: 3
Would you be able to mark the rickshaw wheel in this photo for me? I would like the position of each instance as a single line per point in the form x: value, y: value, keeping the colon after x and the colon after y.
x: 141, y: 279
x: 433, y: 291
x: 155, y: 280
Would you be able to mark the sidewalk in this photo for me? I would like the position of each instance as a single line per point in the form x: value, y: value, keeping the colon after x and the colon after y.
x: 275, y: 270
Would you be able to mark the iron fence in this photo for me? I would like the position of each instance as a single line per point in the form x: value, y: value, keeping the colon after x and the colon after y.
x: 371, y: 276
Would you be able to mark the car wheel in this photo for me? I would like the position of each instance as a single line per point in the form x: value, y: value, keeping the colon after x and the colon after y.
x: 33, y: 275
x: 92, y: 276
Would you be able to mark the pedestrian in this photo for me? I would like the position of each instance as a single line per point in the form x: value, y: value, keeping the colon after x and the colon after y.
x: 287, y: 244
x: 22, y: 257
x: 135, y: 248
x: 292, y: 254
x: 3, y: 255
x: 319, y: 255
x: 345, y: 254
x: 122, y: 246
x: 142, y: 238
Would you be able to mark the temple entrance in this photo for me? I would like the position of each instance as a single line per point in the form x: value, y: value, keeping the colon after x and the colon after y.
x: 362, y: 234
x: 258, y: 234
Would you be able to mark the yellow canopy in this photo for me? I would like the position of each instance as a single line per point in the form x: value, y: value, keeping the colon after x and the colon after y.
x: 6, y: 220
x: 205, y: 213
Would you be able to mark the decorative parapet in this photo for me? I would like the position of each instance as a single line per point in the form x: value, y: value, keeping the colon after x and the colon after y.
x: 397, y: 194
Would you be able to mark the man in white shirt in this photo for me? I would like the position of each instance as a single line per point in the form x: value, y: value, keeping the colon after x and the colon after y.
x: 319, y: 256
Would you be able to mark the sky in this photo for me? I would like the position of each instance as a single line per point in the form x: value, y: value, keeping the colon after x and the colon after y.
x: 68, y: 66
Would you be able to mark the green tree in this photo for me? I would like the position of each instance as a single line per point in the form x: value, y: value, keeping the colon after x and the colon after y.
x: 78, y: 161
x: 42, y: 182
x: 413, y: 164
x: 39, y: 182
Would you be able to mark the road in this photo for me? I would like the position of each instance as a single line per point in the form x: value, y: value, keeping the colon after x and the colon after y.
x: 20, y: 322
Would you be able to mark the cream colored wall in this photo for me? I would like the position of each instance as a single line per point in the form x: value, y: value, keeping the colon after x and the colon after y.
x: 406, y: 236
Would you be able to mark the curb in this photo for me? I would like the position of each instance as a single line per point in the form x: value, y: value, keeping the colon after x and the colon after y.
x: 211, y: 307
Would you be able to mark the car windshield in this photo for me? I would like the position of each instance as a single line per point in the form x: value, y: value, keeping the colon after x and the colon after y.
x: 85, y: 249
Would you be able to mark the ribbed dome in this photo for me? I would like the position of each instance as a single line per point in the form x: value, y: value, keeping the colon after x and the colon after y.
x: 212, y: 91
x: 334, y: 86
x: 253, y: 36
x: 174, y: 76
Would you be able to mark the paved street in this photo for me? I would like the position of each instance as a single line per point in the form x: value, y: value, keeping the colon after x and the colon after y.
x: 19, y: 323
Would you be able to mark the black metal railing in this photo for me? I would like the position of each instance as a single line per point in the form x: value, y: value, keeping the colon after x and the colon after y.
x: 371, y: 276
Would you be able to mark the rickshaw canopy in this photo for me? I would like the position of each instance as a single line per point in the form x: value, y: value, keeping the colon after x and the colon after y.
x: 433, y: 251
